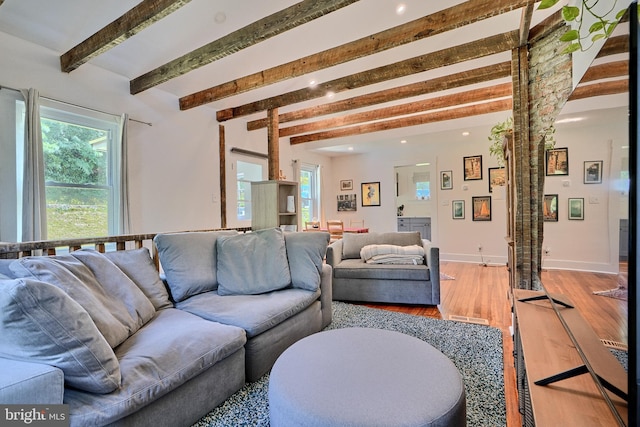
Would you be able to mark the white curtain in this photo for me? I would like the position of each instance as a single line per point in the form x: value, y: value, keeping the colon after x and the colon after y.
x: 123, y: 213
x: 34, y: 207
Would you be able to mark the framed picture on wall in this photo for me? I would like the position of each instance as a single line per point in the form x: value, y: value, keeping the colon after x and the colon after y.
x: 472, y: 168
x: 457, y: 209
x: 593, y: 172
x: 347, y: 203
x: 481, y: 208
x: 346, y: 185
x: 497, y: 178
x: 446, y: 180
x: 370, y: 193
x: 557, y: 161
x: 550, y: 207
x: 576, y: 208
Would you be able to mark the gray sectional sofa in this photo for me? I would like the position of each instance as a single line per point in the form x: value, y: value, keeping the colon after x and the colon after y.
x: 391, y: 281
x: 104, y: 334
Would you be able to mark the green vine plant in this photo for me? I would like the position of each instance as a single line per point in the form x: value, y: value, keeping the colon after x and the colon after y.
x: 500, y: 130
x: 600, y: 29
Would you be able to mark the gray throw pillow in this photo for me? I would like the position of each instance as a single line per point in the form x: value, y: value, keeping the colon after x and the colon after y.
x: 252, y: 263
x: 305, y: 252
x: 40, y: 323
x: 189, y: 261
x: 114, y: 302
x: 138, y: 265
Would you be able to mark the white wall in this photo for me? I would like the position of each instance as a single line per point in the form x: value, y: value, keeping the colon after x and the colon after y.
x: 175, y: 179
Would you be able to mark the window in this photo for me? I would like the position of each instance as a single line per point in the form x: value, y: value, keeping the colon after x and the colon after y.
x: 421, y: 182
x: 309, y: 193
x: 246, y: 172
x: 82, y: 179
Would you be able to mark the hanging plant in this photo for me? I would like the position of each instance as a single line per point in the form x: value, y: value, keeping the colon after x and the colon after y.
x: 601, y: 27
x: 500, y: 130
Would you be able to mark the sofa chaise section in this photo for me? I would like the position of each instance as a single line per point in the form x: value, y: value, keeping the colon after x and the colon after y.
x: 356, y: 280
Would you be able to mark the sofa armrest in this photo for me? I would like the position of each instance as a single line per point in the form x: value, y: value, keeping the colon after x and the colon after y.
x: 432, y: 257
x: 334, y: 253
x: 30, y: 383
x: 326, y: 296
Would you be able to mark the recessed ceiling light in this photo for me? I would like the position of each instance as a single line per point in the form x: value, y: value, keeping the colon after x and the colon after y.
x: 313, y: 84
x: 330, y: 95
x: 404, y: 141
x: 401, y: 8
x: 465, y: 133
x: 350, y: 148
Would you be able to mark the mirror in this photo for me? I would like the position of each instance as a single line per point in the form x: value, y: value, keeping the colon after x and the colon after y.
x: 414, y: 185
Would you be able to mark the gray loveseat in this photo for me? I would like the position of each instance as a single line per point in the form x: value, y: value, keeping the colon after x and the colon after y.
x: 356, y: 280
x: 103, y: 333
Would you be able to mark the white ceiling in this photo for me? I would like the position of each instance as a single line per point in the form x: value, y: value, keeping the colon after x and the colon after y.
x: 61, y: 24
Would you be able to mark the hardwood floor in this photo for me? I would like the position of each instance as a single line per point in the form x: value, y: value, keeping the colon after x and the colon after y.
x: 483, y: 292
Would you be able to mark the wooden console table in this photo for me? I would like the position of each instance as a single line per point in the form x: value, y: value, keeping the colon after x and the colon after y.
x: 543, y: 349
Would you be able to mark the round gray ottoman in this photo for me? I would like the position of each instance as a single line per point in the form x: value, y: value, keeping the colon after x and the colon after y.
x: 365, y: 377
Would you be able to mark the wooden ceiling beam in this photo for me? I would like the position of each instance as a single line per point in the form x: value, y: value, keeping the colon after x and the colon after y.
x: 614, y: 45
x: 606, y: 70
x: 456, y: 99
x: 132, y: 22
x: 464, y: 78
x: 436, y: 23
x: 263, y: 29
x: 525, y: 23
x: 600, y: 89
x: 449, y: 56
x: 455, y: 113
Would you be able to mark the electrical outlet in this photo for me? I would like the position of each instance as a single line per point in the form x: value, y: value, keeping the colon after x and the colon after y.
x: 479, y: 247
x: 547, y: 251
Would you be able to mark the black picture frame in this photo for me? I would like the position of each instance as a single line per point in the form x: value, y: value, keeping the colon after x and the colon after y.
x: 370, y: 193
x: 472, y: 167
x: 592, y: 172
x: 497, y: 178
x: 550, y: 208
x: 481, y: 208
x: 557, y: 161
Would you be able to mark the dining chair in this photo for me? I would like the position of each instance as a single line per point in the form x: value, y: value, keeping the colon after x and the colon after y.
x: 336, y: 229
x: 356, y: 223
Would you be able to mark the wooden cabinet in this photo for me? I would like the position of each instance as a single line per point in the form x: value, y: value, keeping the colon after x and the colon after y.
x: 269, y: 200
x: 414, y: 223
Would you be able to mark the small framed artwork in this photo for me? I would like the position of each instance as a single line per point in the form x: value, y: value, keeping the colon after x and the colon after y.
x: 497, y: 178
x: 576, y: 208
x: 557, y: 161
x: 481, y: 208
x: 593, y: 172
x: 550, y: 208
x: 457, y: 209
x: 472, y: 168
x: 346, y: 185
x: 347, y: 203
x: 370, y: 193
x: 446, y: 180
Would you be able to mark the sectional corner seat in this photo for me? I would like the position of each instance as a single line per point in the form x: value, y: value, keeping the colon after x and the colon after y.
x: 390, y: 281
x: 103, y: 333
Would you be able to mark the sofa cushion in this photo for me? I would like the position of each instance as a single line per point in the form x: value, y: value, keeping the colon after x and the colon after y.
x: 5, y: 270
x: 352, y: 243
x: 305, y: 252
x: 253, y: 313
x: 252, y: 263
x: 168, y: 351
x: 189, y: 261
x: 138, y: 265
x: 40, y: 323
x: 116, y: 305
x: 358, y: 269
